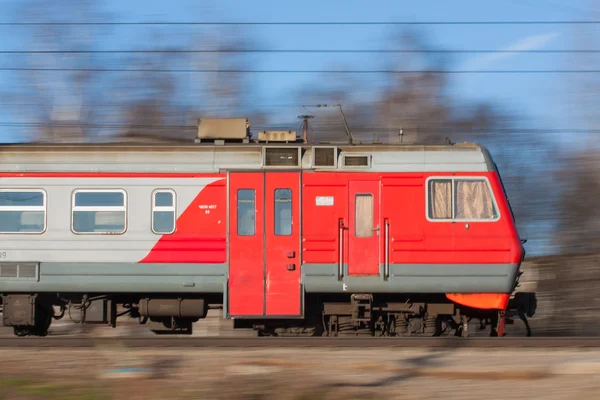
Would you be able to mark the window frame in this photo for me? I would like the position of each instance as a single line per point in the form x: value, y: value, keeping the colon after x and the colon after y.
x: 237, y: 223
x: 372, y: 217
x: 355, y: 155
x: 291, y: 212
x: 453, y: 178
x: 99, y: 208
x: 313, y: 157
x: 155, y: 208
x: 297, y: 165
x: 43, y: 207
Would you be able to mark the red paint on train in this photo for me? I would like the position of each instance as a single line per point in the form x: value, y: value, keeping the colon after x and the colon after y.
x: 264, y: 275
x: 106, y: 175
x: 484, y: 301
x: 363, y: 235
x: 201, y: 231
x: 246, y: 250
x: 264, y: 268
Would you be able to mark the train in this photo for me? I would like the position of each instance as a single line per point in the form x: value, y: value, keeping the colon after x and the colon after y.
x: 286, y: 237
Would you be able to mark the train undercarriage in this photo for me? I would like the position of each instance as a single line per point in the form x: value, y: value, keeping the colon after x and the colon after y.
x: 360, y: 314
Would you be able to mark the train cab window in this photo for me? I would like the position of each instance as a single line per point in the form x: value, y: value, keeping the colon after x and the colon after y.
x: 163, y: 212
x: 363, y: 215
x: 246, y: 212
x: 460, y: 199
x: 440, y: 198
x: 22, y: 211
x: 473, y: 200
x: 283, y: 212
x: 99, y: 212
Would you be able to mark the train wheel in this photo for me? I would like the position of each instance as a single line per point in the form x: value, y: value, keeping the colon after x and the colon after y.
x: 21, y: 331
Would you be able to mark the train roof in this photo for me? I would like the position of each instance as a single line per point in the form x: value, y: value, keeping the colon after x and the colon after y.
x: 217, y: 157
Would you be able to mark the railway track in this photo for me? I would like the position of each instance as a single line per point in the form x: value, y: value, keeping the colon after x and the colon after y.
x: 241, y: 343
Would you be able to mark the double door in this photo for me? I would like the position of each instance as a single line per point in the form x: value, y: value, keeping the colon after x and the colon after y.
x: 264, y: 247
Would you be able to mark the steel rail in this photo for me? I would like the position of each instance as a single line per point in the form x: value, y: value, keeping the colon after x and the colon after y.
x: 270, y: 342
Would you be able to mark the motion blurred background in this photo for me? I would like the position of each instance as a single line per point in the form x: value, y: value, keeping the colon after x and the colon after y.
x: 145, y: 71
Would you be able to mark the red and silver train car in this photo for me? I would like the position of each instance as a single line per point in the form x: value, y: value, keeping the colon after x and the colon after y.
x: 285, y: 237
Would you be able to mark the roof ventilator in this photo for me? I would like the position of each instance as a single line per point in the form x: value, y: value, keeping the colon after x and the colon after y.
x: 356, y: 161
x: 324, y: 156
x: 281, y: 156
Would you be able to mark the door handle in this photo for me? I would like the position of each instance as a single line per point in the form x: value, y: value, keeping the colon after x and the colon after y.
x: 386, y: 264
x: 291, y: 267
x: 341, y: 255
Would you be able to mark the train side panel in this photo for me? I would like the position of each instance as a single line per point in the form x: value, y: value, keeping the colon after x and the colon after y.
x: 416, y: 254
x: 192, y: 259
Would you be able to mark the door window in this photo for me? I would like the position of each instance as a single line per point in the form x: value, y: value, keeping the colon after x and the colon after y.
x: 283, y: 212
x: 363, y: 215
x: 246, y: 212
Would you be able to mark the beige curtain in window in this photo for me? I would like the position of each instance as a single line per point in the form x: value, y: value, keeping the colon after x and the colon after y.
x: 363, y: 215
x: 441, y: 199
x: 473, y: 200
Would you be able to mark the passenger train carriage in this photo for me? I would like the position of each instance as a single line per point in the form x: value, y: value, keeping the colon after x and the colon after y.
x: 286, y: 237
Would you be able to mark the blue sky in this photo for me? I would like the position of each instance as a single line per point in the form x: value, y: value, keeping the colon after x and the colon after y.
x: 541, y: 98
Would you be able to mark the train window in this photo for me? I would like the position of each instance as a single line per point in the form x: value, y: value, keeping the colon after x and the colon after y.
x: 283, y: 212
x: 440, y: 199
x: 99, y: 211
x: 460, y: 199
x: 473, y: 200
x: 22, y: 211
x: 363, y: 215
x: 163, y: 212
x: 246, y: 212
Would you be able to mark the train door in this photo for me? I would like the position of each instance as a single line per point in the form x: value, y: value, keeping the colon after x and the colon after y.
x: 264, y: 245
x: 246, y: 244
x: 363, y: 229
x: 282, y: 256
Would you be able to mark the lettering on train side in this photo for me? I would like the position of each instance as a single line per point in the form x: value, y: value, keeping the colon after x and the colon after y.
x: 207, y: 207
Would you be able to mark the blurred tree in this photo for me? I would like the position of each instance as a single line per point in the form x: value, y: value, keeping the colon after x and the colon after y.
x: 579, y: 221
x: 54, y: 98
x: 89, y: 105
x: 578, y: 180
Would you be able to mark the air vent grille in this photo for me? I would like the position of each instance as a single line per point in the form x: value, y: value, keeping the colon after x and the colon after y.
x: 9, y: 270
x: 325, y: 156
x: 27, y: 270
x: 356, y: 161
x: 281, y: 156
x: 19, y: 270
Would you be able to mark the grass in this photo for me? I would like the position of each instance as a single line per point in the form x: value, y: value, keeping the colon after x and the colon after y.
x: 17, y: 388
